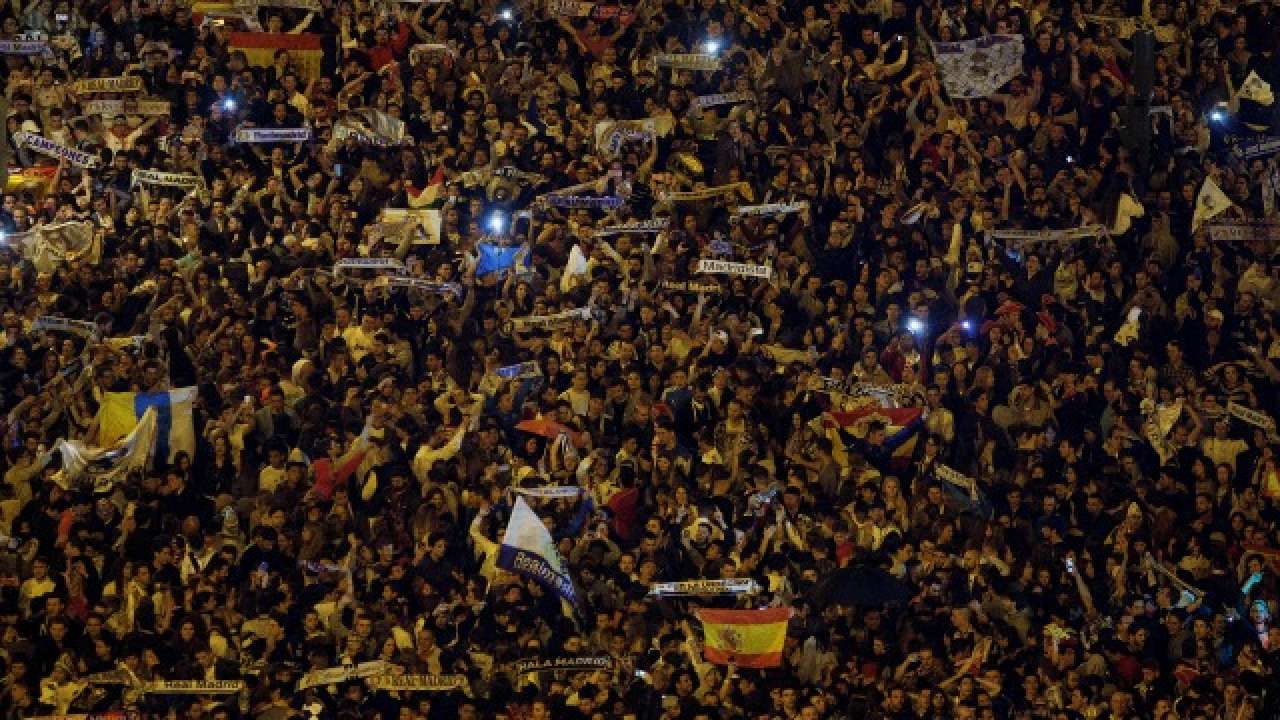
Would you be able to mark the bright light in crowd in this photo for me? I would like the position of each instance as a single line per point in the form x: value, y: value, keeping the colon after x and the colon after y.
x: 967, y: 325
x: 915, y: 325
x: 497, y: 222
x: 1218, y: 115
x: 506, y: 14
x: 229, y: 104
x: 711, y: 47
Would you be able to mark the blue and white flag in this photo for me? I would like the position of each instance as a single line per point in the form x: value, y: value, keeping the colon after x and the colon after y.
x: 496, y: 258
x: 527, y: 549
x: 120, y: 413
x: 106, y: 465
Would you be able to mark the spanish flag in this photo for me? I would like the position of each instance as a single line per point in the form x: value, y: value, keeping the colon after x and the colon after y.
x: 746, y: 638
x: 305, y: 50
x: 120, y: 413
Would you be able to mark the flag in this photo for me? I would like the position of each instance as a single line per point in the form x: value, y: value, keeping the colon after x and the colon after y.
x: 1256, y: 89
x: 121, y: 412
x: 901, y: 427
x: 527, y: 549
x: 746, y: 638
x: 108, y: 464
x: 1210, y: 203
x: 430, y: 195
x: 496, y: 258
x: 305, y: 50
x: 49, y: 246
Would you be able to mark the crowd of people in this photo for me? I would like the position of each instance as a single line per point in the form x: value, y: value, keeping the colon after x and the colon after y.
x: 754, y: 277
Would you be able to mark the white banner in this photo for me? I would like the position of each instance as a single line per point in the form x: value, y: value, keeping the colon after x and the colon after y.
x: 725, y: 586
x: 520, y: 371
x: 688, y: 61
x: 943, y: 472
x: 273, y: 135
x: 690, y: 287
x: 343, y: 673
x: 1253, y: 417
x: 587, y: 663
x: 166, y: 179
x: 584, y: 202
x: 570, y: 8
x: 48, y: 247
x: 1244, y: 231
x: 379, y: 264
x: 23, y: 47
x: 144, y: 108
x: 252, y: 5
x: 549, y: 322
x: 979, y: 67
x: 45, y: 146
x: 1031, y: 239
x: 428, y: 286
x: 419, y: 51
x: 656, y: 225
x: 426, y: 222
x: 550, y: 492
x: 771, y: 209
x: 703, y: 102
x: 722, y: 267
x: 124, y: 83
x: 83, y: 328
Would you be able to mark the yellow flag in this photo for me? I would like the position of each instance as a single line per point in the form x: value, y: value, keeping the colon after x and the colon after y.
x: 1210, y: 203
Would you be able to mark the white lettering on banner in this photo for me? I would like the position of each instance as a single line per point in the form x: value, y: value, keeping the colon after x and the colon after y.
x: 691, y: 287
x: 589, y: 663
x: 23, y: 47
x: 722, y: 267
x: 688, y: 61
x: 705, y: 101
x: 1029, y: 239
x: 1251, y: 416
x: 656, y: 225
x: 562, y: 492
x: 146, y: 108
x: 273, y: 135
x: 193, y: 687
x: 550, y: 322
x: 535, y: 566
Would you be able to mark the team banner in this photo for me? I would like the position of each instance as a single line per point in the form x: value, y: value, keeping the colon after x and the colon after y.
x: 708, y: 193
x: 1253, y: 417
x: 724, y: 586
x: 584, y: 202
x: 378, y: 264
x: 1244, y: 231
x: 273, y: 135
x: 417, y: 683
x: 1030, y: 239
x: 690, y: 287
x: 977, y: 68
x: 589, y: 663
x: 610, y: 134
x: 570, y: 8
x: 343, y: 673
x: 782, y: 355
x: 550, y: 322
x: 655, y: 225
x: 193, y: 687
x: 1210, y: 203
x: 551, y: 492
x: 51, y: 323
x: 122, y: 84
x: 943, y: 472
x: 428, y: 286
x: 166, y: 179
x: 23, y: 47
x: 688, y: 61
x: 723, y: 267
x: 371, y: 127
x: 771, y: 209
x: 894, y: 395
x: 45, y: 146
x: 144, y: 108
x: 112, y: 715
x: 520, y: 371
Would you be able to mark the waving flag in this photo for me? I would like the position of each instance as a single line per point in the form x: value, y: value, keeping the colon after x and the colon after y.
x: 121, y: 412
x: 527, y: 549
x: 901, y: 427
x: 496, y: 258
x: 107, y: 464
x: 746, y: 638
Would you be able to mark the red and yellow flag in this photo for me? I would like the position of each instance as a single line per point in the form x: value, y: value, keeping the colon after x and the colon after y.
x: 746, y: 638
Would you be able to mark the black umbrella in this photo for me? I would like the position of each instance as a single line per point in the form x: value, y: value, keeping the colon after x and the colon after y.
x: 862, y: 585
